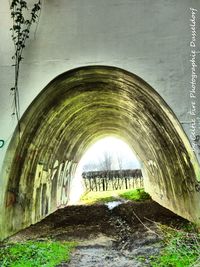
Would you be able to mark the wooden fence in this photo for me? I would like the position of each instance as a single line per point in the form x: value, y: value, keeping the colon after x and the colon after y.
x: 112, y: 180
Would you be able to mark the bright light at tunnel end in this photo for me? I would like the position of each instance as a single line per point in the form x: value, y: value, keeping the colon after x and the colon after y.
x: 112, y: 145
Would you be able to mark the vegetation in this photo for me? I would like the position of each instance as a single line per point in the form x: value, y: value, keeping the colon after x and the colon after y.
x: 135, y: 195
x: 181, y: 249
x: 107, y: 196
x: 35, y: 254
x: 93, y: 197
x: 22, y: 19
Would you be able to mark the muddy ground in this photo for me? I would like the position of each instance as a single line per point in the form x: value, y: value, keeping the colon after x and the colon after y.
x: 124, y: 236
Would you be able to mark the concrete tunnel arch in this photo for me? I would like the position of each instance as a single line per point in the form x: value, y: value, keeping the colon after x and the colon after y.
x: 74, y: 110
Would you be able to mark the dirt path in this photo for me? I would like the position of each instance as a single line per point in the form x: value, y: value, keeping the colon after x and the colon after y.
x: 120, y: 251
x: 118, y: 237
x: 100, y: 256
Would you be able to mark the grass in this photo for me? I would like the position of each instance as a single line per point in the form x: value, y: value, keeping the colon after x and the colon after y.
x: 135, y: 195
x: 181, y: 249
x: 107, y: 196
x: 93, y: 197
x: 35, y: 254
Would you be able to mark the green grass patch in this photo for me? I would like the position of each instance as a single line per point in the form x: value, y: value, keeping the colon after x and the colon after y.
x: 135, y: 195
x: 93, y: 197
x: 35, y: 254
x: 107, y: 196
x: 182, y: 249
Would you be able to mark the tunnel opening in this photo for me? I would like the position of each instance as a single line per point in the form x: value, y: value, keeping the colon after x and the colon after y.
x: 72, y: 112
x: 108, y: 165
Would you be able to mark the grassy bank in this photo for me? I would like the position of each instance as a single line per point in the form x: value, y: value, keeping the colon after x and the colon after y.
x: 35, y: 254
x: 181, y: 248
x: 135, y: 195
x: 107, y: 196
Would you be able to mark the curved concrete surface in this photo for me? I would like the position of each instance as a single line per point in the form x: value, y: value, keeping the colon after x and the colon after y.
x: 73, y: 111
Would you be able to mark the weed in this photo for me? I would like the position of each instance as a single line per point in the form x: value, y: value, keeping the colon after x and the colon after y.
x: 182, y: 248
x: 35, y: 254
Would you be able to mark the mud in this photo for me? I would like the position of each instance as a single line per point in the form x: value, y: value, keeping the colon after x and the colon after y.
x: 124, y: 236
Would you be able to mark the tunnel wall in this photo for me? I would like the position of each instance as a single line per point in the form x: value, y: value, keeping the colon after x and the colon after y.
x: 148, y: 38
x: 72, y: 112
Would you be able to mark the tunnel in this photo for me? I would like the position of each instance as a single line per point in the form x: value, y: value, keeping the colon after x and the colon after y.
x: 70, y: 114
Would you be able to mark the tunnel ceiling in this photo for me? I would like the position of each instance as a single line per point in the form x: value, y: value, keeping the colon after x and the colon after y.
x: 80, y: 106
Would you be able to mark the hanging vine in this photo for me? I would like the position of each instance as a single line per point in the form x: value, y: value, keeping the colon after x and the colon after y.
x: 22, y: 18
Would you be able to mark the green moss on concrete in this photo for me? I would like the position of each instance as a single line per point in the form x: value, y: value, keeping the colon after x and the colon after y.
x: 79, y: 107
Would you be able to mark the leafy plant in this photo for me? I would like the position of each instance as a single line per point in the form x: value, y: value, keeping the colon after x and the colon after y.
x: 182, y: 249
x: 35, y: 254
x: 22, y: 22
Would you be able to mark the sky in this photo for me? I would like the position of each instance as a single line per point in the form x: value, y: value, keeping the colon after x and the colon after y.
x: 116, y: 148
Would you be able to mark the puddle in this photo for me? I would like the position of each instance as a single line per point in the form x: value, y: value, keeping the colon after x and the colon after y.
x: 112, y: 204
